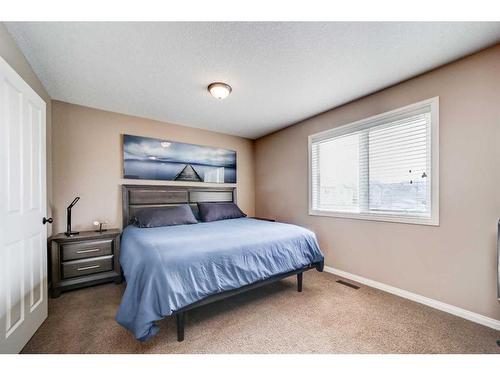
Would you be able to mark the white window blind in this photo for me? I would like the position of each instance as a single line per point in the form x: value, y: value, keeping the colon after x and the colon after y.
x: 379, y: 168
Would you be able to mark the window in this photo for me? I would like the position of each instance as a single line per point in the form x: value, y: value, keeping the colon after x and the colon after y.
x: 381, y: 168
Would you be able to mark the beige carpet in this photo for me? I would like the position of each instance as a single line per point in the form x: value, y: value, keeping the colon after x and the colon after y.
x: 326, y: 318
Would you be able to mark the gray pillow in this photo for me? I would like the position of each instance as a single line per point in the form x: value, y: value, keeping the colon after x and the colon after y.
x: 218, y: 211
x: 164, y: 216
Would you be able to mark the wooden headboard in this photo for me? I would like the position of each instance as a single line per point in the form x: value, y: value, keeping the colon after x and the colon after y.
x: 135, y: 197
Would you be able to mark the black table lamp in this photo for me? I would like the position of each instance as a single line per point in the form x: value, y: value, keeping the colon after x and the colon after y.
x: 68, y: 218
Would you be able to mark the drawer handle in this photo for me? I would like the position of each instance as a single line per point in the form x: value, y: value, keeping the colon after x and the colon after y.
x: 88, y: 268
x: 87, y: 251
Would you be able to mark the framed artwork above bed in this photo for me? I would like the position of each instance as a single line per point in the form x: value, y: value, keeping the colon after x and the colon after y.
x: 157, y: 159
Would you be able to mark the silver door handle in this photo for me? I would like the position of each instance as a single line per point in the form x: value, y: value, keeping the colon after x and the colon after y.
x: 87, y: 268
x: 87, y: 251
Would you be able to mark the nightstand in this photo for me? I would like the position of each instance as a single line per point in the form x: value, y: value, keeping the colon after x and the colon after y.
x: 86, y: 259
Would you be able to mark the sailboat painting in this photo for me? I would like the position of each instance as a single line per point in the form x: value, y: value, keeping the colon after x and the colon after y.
x: 155, y: 159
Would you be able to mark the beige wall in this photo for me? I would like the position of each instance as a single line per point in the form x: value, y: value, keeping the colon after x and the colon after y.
x: 11, y: 53
x: 455, y: 262
x: 88, y: 161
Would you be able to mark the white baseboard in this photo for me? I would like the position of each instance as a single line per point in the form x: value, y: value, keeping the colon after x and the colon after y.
x: 454, y: 310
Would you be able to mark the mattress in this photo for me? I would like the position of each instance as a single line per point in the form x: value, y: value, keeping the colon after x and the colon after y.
x: 168, y: 268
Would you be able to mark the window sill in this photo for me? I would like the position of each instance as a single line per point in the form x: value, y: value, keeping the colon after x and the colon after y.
x: 433, y: 221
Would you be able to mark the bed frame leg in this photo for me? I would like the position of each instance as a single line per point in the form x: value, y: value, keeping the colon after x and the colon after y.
x: 299, y: 282
x: 180, y: 326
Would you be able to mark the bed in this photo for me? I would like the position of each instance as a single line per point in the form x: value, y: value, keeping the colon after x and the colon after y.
x: 173, y: 269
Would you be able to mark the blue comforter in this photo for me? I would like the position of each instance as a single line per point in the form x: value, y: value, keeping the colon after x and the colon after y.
x: 168, y: 268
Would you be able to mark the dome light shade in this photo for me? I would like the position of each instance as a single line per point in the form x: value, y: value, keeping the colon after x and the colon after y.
x: 219, y: 90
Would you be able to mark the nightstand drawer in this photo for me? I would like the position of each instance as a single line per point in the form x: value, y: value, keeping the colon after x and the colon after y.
x: 86, y: 249
x: 87, y: 266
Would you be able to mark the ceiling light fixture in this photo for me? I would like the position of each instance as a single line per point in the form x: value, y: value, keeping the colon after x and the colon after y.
x: 219, y: 90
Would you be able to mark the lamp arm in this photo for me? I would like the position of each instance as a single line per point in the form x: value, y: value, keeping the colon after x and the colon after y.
x: 74, y: 202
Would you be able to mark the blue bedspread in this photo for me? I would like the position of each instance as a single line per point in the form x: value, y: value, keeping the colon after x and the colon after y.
x: 168, y: 268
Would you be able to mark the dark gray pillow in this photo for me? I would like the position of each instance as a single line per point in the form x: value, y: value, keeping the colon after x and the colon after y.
x: 218, y: 211
x: 164, y: 216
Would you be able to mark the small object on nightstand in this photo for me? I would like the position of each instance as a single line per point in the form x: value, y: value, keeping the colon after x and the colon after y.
x: 68, y: 232
x: 100, y: 224
x: 82, y: 260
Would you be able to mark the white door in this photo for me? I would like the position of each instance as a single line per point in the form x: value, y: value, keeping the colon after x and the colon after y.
x: 23, y: 237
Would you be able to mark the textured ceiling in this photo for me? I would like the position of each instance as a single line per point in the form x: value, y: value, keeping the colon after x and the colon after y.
x: 281, y: 73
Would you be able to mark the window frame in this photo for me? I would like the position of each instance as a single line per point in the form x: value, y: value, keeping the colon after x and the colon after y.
x: 405, y: 111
